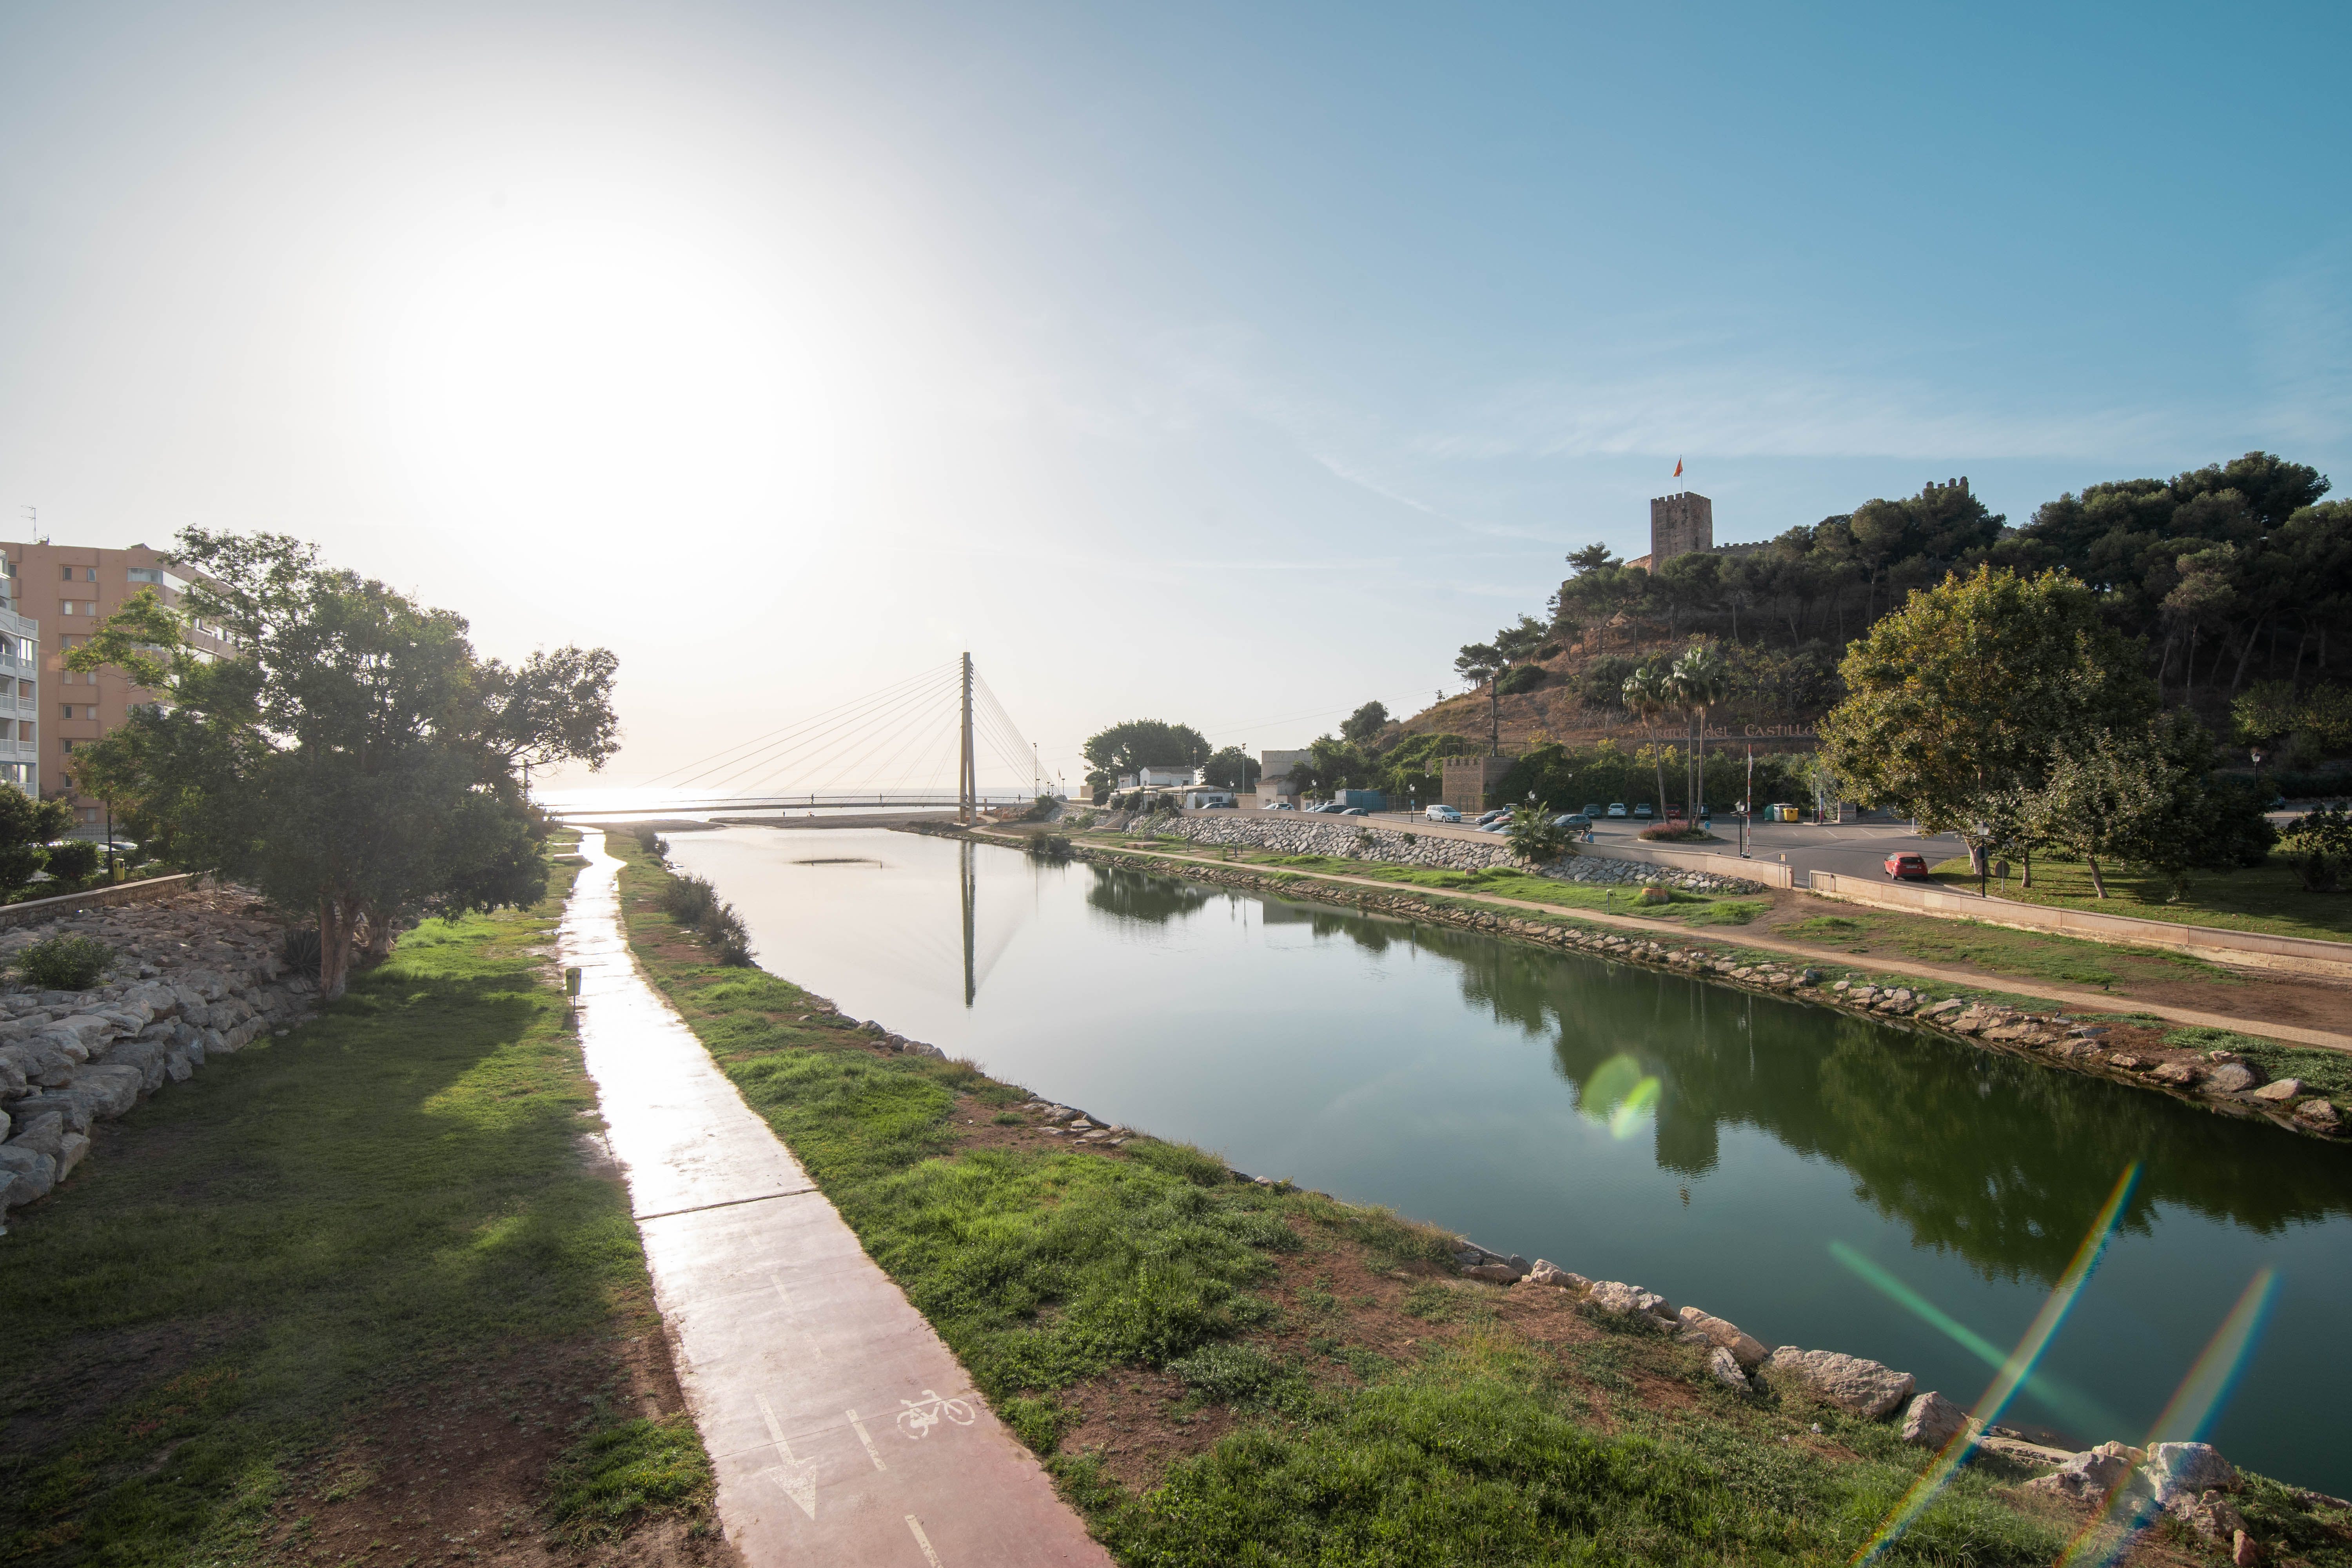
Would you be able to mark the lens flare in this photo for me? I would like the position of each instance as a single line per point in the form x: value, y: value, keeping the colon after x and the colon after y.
x: 2186, y: 1417
x: 1619, y: 1095
x: 2018, y: 1366
x: 2078, y: 1407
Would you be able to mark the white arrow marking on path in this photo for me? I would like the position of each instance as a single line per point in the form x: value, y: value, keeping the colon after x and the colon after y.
x: 797, y: 1475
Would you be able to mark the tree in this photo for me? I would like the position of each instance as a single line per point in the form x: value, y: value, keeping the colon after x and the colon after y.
x: 1479, y: 663
x: 1365, y: 723
x: 2142, y: 796
x: 2321, y: 843
x: 25, y: 824
x: 1142, y: 743
x: 1968, y: 691
x: 1647, y: 696
x: 1232, y: 768
x: 351, y: 759
x: 1699, y: 681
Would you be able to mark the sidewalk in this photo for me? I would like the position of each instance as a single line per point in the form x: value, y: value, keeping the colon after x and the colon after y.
x: 2099, y: 1002
x: 841, y: 1430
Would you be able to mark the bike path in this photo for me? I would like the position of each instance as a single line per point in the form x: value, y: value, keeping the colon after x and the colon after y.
x: 840, y: 1427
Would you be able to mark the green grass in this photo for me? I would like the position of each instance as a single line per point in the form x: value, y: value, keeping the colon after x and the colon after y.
x: 2267, y: 898
x: 1044, y: 1268
x: 319, y: 1228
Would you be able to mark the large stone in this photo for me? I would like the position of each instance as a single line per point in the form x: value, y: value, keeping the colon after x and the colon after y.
x: 72, y: 1147
x: 1544, y: 1273
x: 1933, y: 1421
x: 1494, y: 1273
x: 2280, y: 1090
x: 2231, y: 1077
x: 45, y: 1132
x: 1851, y: 1382
x: 1746, y: 1348
x: 1725, y: 1369
x: 2319, y: 1114
x: 1632, y: 1301
x: 113, y: 1089
x: 2088, y: 1477
x: 35, y: 1173
x: 2213, y: 1516
x: 2178, y: 1473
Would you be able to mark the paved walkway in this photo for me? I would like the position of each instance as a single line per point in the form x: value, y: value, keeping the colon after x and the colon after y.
x: 842, y: 1430
x: 2016, y: 985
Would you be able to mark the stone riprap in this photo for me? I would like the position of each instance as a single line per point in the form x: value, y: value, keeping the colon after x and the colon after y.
x: 1346, y: 838
x: 195, y: 975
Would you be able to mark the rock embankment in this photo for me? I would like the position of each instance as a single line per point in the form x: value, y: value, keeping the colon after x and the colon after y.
x: 1347, y: 838
x: 195, y: 976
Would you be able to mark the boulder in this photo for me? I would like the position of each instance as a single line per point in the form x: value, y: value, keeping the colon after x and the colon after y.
x: 1746, y: 1348
x: 2231, y: 1078
x: 1632, y: 1301
x: 2244, y: 1551
x: 2179, y: 1473
x: 73, y: 1147
x: 2213, y: 1516
x: 35, y: 1173
x: 1864, y: 1387
x: 1933, y: 1421
x: 2319, y: 1114
x: 2182, y: 1074
x: 2088, y: 1477
x: 1544, y: 1273
x: 2280, y: 1090
x: 44, y: 1132
x: 113, y: 1089
x: 1494, y: 1273
x: 1724, y: 1369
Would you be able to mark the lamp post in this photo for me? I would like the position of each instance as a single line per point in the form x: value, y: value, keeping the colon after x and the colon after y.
x: 2258, y: 754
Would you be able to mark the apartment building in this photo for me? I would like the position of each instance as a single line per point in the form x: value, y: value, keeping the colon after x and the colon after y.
x: 71, y: 589
x: 20, y: 698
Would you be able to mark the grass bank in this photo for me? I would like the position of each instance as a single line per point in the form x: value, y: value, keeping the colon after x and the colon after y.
x: 353, y: 1294
x: 1222, y: 1371
x: 2267, y: 898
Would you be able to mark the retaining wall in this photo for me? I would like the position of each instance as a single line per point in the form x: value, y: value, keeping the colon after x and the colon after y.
x: 97, y: 898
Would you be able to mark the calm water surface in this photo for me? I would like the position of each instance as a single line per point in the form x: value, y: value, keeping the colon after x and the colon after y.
x: 1821, y: 1181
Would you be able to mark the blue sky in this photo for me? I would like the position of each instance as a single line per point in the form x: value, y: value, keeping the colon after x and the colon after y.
x: 1223, y: 364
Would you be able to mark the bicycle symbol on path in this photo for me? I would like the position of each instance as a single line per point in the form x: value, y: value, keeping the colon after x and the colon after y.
x: 921, y: 1415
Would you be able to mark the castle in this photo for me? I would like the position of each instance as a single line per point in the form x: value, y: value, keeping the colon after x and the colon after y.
x: 1680, y: 524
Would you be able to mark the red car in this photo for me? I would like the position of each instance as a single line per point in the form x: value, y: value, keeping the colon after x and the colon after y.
x: 1907, y: 867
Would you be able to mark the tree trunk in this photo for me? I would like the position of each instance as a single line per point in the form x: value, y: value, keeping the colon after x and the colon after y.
x: 2098, y: 885
x: 334, y: 947
x: 2027, y: 880
x: 2254, y: 635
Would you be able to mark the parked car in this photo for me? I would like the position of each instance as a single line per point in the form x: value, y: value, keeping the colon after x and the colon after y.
x: 1576, y: 819
x: 1496, y: 814
x: 1643, y: 810
x: 1282, y: 805
x: 1443, y: 814
x: 1593, y: 809
x: 1674, y: 814
x: 1617, y: 808
x: 1350, y: 811
x: 1907, y: 867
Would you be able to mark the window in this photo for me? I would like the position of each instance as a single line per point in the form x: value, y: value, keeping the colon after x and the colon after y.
x: 25, y: 691
x: 69, y: 707
x: 89, y: 574
x: 24, y: 729
x: 68, y: 572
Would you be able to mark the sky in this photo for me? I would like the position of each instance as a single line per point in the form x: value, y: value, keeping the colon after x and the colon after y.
x: 1229, y: 364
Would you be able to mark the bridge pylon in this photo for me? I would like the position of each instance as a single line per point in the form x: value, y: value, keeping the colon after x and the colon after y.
x: 967, y: 768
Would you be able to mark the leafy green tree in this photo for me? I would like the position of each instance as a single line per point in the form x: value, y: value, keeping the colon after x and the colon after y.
x: 1968, y: 690
x: 352, y: 759
x: 1142, y: 743
x: 1232, y: 768
x: 2140, y: 796
x: 25, y: 824
x: 2321, y: 843
x: 1365, y: 723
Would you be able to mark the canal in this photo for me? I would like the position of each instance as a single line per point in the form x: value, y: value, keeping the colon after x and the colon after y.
x: 1820, y: 1180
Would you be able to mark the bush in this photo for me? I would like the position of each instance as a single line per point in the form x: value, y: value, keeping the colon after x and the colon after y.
x: 653, y: 843
x: 696, y: 905
x: 64, y: 963
x: 1048, y: 847
x: 1521, y: 677
x: 299, y: 950
x: 688, y: 900
x: 73, y: 860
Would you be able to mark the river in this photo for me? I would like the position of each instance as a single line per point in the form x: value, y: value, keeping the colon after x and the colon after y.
x: 1820, y: 1180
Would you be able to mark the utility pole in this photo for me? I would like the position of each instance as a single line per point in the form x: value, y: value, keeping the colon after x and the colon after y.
x: 967, y: 779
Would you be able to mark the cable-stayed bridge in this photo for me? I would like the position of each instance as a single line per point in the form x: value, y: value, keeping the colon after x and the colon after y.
x: 918, y: 742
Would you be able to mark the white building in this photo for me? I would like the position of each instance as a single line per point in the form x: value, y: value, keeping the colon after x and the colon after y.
x: 20, y: 701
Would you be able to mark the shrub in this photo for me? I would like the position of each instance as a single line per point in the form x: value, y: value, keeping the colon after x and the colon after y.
x: 299, y: 950
x: 64, y: 963
x: 73, y: 860
x: 1048, y: 847
x: 688, y: 900
x: 1521, y: 677
x: 652, y: 843
x: 722, y: 930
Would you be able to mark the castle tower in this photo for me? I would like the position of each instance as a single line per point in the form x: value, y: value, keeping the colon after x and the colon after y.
x: 1678, y: 525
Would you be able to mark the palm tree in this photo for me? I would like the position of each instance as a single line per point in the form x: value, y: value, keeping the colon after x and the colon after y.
x: 1646, y: 698
x: 1701, y: 680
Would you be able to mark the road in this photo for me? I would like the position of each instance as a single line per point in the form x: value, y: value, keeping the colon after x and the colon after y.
x: 1855, y: 848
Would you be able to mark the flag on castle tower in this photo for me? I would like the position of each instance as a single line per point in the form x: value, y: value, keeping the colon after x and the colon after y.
x: 1678, y: 468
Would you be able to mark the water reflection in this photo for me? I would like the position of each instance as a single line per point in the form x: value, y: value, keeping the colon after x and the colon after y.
x: 1985, y: 1156
x: 1135, y: 896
